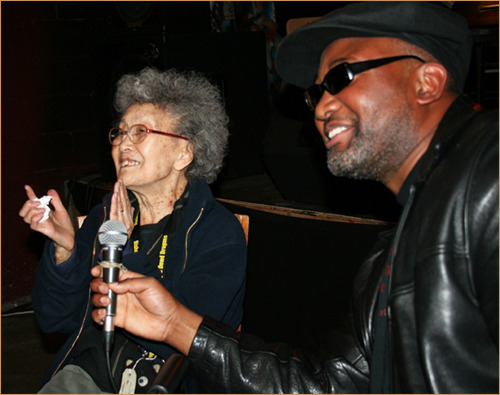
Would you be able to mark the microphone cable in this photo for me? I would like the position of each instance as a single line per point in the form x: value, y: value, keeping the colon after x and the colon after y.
x: 108, y: 345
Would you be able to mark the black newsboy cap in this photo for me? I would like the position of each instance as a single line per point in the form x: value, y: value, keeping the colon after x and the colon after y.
x: 436, y: 29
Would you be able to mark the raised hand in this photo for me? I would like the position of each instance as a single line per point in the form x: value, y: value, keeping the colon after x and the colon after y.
x: 58, y: 225
x: 121, y: 208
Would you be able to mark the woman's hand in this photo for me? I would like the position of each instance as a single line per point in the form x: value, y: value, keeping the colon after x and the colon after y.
x: 145, y: 308
x: 57, y: 227
x: 121, y: 208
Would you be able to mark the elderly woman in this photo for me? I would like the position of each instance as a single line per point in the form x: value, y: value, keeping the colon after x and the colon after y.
x: 168, y: 145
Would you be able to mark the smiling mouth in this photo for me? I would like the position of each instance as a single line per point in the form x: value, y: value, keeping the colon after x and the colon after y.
x: 330, y: 134
x: 128, y: 163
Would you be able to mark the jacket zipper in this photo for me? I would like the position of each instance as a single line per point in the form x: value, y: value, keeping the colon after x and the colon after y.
x: 88, y: 299
x: 397, y: 236
x: 86, y: 308
x: 186, y: 240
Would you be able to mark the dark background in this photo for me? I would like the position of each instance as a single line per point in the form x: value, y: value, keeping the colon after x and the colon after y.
x: 60, y: 61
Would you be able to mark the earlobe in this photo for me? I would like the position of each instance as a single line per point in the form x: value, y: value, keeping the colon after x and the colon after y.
x: 431, y: 82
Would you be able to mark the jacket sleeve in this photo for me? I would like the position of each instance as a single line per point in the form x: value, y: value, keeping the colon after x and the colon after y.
x: 226, y: 362
x: 482, y: 219
x: 61, y: 293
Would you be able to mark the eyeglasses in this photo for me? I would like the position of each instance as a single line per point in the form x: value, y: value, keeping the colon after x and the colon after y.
x: 137, y: 134
x: 341, y: 76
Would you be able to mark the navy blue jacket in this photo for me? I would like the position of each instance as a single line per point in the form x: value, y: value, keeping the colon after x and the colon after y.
x: 205, y: 270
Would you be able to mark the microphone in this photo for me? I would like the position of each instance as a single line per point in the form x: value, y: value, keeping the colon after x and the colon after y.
x: 112, y: 236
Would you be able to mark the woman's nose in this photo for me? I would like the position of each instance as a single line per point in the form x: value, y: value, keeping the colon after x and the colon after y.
x: 126, y: 142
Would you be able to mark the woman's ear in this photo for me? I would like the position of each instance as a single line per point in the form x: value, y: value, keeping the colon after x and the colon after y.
x: 430, y: 83
x: 186, y: 155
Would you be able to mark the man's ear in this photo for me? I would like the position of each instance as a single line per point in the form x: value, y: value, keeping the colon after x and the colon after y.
x: 185, y: 157
x: 431, y: 82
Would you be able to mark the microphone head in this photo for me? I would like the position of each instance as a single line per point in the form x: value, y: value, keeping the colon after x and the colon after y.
x: 113, y: 233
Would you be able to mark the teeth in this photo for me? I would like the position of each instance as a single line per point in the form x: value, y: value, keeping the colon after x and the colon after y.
x: 129, y: 163
x: 332, y: 133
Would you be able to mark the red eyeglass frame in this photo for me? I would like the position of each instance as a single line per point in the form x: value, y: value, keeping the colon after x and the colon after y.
x: 147, y: 131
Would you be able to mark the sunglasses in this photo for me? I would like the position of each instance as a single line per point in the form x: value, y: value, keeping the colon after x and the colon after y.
x: 341, y: 76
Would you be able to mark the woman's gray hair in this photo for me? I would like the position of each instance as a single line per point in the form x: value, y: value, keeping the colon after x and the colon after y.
x: 194, y: 104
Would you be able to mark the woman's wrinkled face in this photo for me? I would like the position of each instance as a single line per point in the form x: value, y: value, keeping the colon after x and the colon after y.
x: 149, y: 165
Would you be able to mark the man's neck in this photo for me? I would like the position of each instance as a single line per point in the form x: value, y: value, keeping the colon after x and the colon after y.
x: 430, y: 116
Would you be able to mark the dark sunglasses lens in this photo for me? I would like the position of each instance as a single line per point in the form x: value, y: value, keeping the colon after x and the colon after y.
x: 313, y: 96
x: 337, y: 79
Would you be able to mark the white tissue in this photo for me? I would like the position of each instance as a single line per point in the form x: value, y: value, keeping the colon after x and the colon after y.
x: 44, y: 203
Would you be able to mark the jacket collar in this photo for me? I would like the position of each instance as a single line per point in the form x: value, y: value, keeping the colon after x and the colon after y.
x: 200, y: 197
x: 460, y: 113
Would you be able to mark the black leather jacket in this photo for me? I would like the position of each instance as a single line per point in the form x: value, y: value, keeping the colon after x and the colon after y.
x: 443, y: 305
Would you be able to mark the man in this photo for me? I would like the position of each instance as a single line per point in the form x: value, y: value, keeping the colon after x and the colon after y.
x: 386, y: 89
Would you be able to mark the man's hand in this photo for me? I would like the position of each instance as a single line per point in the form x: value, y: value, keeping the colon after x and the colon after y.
x: 145, y: 308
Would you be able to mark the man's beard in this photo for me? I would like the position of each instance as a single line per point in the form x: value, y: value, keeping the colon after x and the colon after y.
x: 376, y: 154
